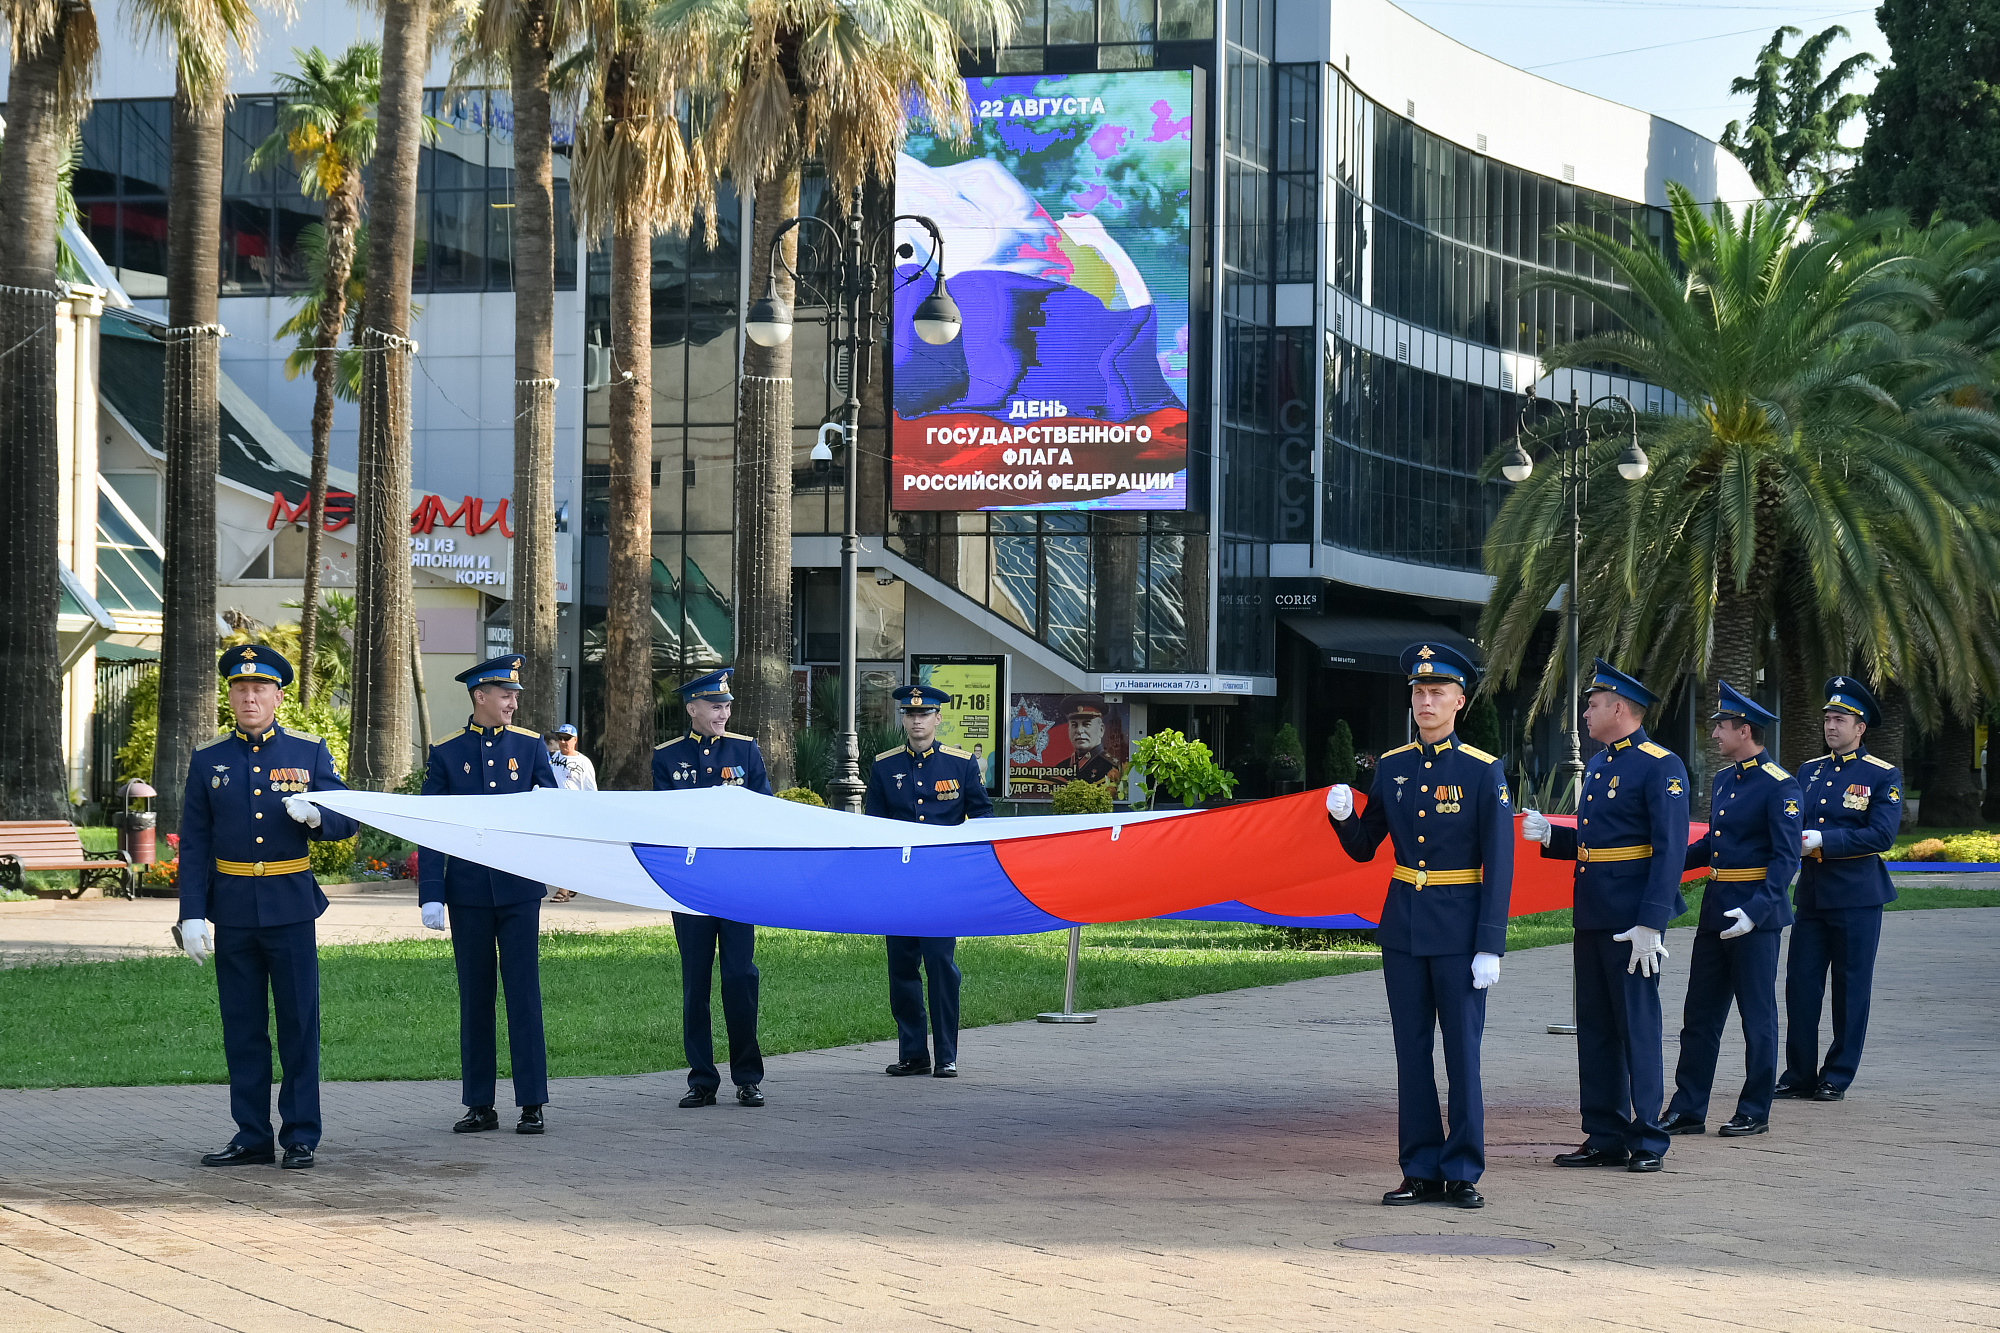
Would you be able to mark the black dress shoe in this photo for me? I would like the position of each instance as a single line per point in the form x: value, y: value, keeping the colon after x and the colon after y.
x: 1682, y: 1123
x: 1413, y: 1190
x: 1742, y: 1126
x: 904, y: 1068
x: 477, y: 1119
x: 531, y: 1121
x: 1826, y: 1092
x: 237, y: 1155
x: 749, y: 1095
x: 298, y: 1157
x: 1589, y: 1156
x: 1800, y: 1092
x: 698, y: 1097
x: 946, y: 1071
x: 1645, y: 1161
x: 1463, y: 1194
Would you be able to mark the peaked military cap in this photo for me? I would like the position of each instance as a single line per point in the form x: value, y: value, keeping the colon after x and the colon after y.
x: 504, y: 671
x: 1845, y: 694
x: 255, y: 661
x: 1733, y: 706
x: 1439, y: 661
x: 714, y: 687
x: 921, y: 698
x: 1604, y: 676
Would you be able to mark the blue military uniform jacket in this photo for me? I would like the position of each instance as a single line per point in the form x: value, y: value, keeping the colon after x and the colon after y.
x: 241, y: 856
x: 1856, y: 802
x: 1444, y: 808
x: 695, y: 760
x: 942, y: 785
x: 481, y: 761
x: 1753, y: 825
x: 1634, y: 796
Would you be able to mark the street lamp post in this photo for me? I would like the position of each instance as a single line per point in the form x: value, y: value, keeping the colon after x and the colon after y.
x: 852, y: 318
x: 1573, y: 451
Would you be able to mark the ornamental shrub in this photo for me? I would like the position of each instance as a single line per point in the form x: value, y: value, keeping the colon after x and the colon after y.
x: 802, y: 796
x: 1340, y: 754
x: 1082, y: 798
x: 1184, y: 769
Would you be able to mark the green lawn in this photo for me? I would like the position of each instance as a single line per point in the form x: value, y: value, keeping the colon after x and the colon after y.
x: 611, y: 1001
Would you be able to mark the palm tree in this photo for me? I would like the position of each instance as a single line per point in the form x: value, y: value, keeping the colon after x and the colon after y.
x: 783, y: 81
x: 53, y: 47
x: 379, y: 747
x: 527, y: 37
x: 632, y: 178
x: 326, y: 127
x: 201, y: 33
x: 1822, y: 471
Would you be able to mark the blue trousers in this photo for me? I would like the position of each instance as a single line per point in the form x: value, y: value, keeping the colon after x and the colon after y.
x: 1744, y: 970
x: 906, y: 995
x: 1427, y: 994
x: 1618, y: 1062
x: 700, y: 938
x: 281, y: 963
x: 512, y: 936
x: 1840, y: 941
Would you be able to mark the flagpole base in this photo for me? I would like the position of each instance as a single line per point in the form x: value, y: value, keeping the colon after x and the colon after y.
x: 1562, y: 1029
x: 1065, y: 1018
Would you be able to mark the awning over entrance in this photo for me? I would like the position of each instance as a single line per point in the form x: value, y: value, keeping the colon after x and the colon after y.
x: 1369, y: 643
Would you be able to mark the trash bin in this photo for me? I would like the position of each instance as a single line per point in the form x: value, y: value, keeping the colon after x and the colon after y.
x: 136, y: 827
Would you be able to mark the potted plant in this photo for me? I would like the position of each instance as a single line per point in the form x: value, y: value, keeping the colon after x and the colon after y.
x: 1340, y: 766
x: 1288, y: 760
x: 1185, y: 770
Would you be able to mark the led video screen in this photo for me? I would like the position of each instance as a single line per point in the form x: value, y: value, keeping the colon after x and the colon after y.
x: 1065, y: 225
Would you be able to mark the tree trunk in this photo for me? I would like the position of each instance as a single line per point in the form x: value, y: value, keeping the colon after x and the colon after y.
x: 626, y: 760
x: 1952, y: 795
x: 379, y: 752
x: 1799, y: 704
x: 340, y: 218
x: 533, y: 216
x: 763, y: 629
x: 1890, y: 739
x: 192, y: 423
x: 32, y: 782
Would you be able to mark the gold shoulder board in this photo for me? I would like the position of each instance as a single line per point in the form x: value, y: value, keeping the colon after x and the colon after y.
x: 1399, y: 749
x: 955, y: 752
x: 738, y: 736
x: 1479, y: 754
x: 304, y: 735
x: 220, y: 737
x: 1657, y: 751
x: 1775, y: 771
x: 523, y: 731
x: 886, y: 753
x: 1879, y: 763
x: 675, y: 741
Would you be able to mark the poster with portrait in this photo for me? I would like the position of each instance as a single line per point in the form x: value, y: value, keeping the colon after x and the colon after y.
x: 971, y: 721
x: 1054, y: 738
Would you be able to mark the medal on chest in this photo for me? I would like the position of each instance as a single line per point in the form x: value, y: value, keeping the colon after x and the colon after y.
x: 1856, y: 797
x: 1450, y: 800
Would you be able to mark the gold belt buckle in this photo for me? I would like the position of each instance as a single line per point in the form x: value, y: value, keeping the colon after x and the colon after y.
x: 1423, y: 878
x: 257, y: 868
x: 1583, y: 856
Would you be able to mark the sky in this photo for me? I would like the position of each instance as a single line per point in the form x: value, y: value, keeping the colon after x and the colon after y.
x: 1674, y: 58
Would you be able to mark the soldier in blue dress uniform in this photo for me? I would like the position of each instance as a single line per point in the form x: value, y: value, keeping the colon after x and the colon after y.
x: 492, y: 914
x: 923, y: 782
x: 1751, y: 851
x: 244, y: 866
x: 1853, y: 807
x: 1630, y: 845
x: 1443, y: 805
x: 711, y: 756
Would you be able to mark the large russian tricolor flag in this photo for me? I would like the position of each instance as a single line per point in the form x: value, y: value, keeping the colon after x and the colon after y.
x: 728, y: 852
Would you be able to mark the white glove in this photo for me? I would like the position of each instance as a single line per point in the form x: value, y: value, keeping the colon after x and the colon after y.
x: 1536, y: 828
x: 1743, y: 924
x: 194, y: 940
x: 1485, y: 970
x: 434, y: 916
x: 1648, y: 952
x: 1810, y: 840
x: 1340, y: 800
x: 299, y: 808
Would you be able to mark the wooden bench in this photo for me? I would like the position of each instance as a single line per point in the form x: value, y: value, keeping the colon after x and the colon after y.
x: 55, y: 844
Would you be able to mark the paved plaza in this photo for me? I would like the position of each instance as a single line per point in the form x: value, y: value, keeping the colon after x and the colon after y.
x: 1202, y: 1164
